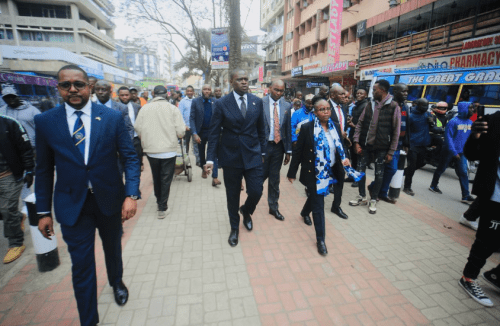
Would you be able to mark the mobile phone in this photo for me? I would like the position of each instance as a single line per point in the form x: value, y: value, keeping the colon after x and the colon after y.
x: 480, y: 111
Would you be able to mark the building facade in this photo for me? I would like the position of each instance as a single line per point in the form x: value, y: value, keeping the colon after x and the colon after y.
x: 271, y: 21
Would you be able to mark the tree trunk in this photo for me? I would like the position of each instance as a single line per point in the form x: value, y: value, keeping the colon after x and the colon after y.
x: 234, y: 34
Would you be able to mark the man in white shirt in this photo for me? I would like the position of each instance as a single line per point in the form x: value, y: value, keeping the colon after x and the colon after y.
x: 133, y: 110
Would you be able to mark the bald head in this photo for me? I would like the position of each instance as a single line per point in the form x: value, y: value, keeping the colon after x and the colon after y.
x: 206, y: 91
x: 277, y: 82
x: 337, y: 93
x: 277, y: 89
x: 400, y: 91
x: 323, y: 91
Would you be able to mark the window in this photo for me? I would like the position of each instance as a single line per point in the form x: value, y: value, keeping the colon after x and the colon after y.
x: 344, y: 37
x: 415, y: 92
x: 437, y: 93
x: 484, y: 94
x: 24, y: 89
x: 41, y: 90
x: 43, y: 10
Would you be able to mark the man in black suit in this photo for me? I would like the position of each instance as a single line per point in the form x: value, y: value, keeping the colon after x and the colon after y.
x: 277, y: 114
x: 339, y: 115
x: 199, y: 122
x: 133, y: 110
x: 483, y: 145
x: 241, y: 148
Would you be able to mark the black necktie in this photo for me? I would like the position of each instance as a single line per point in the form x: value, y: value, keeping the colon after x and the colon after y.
x: 243, y: 107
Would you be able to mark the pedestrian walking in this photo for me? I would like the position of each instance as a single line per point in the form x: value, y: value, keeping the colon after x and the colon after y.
x: 377, y: 134
x: 320, y: 153
x: 185, y: 108
x: 483, y: 145
x: 361, y: 102
x: 133, y: 111
x: 16, y: 169
x: 159, y: 126
x: 457, y: 132
x: 81, y: 140
x: 239, y: 117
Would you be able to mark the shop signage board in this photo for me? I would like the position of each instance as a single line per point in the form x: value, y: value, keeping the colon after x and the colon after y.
x: 361, y: 29
x: 335, y: 28
x: 297, y: 71
x: 367, y: 74
x: 465, y: 77
x: 338, y: 66
x: 487, y: 58
x: 314, y: 84
x: 27, y: 80
x: 312, y: 68
x: 481, y: 43
x: 220, y: 48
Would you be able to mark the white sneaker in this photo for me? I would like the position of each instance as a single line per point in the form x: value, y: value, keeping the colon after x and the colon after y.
x: 161, y: 215
x: 470, y: 224
x: 359, y: 200
x: 372, y: 209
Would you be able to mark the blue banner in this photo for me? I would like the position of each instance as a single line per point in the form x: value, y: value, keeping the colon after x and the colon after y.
x: 455, y: 77
x: 220, y: 48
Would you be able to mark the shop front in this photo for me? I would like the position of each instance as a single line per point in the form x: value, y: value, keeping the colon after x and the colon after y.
x: 341, y: 73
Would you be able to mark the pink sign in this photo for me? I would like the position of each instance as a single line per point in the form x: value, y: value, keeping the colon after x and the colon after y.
x: 338, y: 66
x: 335, y: 30
x: 261, y: 74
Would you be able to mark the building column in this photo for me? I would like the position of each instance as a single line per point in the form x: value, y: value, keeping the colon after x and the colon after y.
x: 75, y: 17
x: 13, y: 15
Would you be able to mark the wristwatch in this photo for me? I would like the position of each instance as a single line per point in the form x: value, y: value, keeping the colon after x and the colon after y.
x: 134, y: 197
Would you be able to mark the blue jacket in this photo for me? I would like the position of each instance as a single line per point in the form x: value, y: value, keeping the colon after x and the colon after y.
x: 419, y: 128
x: 56, y: 150
x: 197, y: 114
x: 243, y: 140
x: 458, y: 130
x: 300, y: 117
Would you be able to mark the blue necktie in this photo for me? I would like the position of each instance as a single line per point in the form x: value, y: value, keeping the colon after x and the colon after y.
x: 79, y: 133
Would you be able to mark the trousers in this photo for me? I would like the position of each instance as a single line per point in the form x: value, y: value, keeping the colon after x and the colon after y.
x: 316, y: 204
x: 81, y: 242
x: 460, y: 170
x: 163, y: 173
x: 10, y: 190
x: 271, y: 169
x: 364, y: 160
x: 202, y: 151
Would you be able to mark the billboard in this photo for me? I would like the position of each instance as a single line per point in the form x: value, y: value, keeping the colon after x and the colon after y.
x: 487, y: 58
x: 335, y: 28
x: 456, y: 77
x: 220, y: 48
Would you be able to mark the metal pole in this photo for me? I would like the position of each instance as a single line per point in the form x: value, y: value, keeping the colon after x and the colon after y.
x: 396, y: 38
x: 475, y: 18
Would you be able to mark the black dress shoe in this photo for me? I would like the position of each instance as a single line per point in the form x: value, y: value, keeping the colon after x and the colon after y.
x: 277, y: 215
x: 247, y: 219
x: 307, y: 219
x: 121, y: 293
x: 340, y: 213
x: 388, y: 199
x: 233, y: 237
x: 355, y: 184
x: 322, y: 248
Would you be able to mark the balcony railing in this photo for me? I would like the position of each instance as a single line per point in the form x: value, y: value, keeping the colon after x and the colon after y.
x: 443, y: 37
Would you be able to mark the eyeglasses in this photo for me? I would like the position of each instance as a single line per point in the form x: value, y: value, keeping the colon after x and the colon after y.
x: 441, y: 107
x: 79, y: 85
x: 324, y: 109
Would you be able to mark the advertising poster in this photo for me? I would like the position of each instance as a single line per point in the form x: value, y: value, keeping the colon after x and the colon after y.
x: 261, y: 74
x: 335, y: 30
x: 220, y: 48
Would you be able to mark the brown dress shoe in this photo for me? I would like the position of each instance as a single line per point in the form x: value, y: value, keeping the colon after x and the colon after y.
x: 204, y: 174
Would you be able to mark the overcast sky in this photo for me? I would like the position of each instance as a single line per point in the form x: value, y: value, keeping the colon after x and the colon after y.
x: 250, y: 18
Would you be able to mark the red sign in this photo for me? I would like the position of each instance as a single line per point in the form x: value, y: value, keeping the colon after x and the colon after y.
x: 261, y: 74
x: 335, y: 29
x: 481, y: 43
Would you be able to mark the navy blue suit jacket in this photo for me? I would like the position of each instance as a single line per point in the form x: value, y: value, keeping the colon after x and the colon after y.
x: 285, y: 121
x: 55, y: 149
x: 243, y: 140
x: 198, y: 113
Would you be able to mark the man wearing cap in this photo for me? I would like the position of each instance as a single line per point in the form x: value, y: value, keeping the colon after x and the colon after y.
x: 159, y: 126
x: 134, y: 96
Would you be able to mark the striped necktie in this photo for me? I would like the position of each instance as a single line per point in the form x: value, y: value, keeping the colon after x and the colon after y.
x: 79, y: 133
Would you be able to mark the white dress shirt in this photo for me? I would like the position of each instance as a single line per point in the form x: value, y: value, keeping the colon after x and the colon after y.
x: 332, y: 147
x: 87, y: 123
x: 336, y: 108
x: 131, y: 114
x: 238, y: 101
x: 271, y: 117
x: 108, y: 103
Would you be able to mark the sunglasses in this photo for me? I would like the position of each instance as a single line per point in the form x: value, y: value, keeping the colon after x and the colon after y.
x: 79, y: 85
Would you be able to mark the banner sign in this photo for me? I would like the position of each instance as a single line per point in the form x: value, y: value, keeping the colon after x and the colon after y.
x: 367, y: 74
x: 297, y: 71
x: 481, y: 43
x: 338, y: 66
x: 466, y: 77
x: 261, y: 74
x: 313, y: 84
x: 220, y: 48
x: 361, y: 29
x: 312, y: 68
x: 336, y: 7
x: 27, y: 80
x: 486, y: 58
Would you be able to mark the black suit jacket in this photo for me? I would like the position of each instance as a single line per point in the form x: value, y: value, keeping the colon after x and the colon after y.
x: 197, y: 114
x: 237, y: 141
x: 486, y: 150
x: 304, y: 154
x: 334, y: 114
x: 285, y: 122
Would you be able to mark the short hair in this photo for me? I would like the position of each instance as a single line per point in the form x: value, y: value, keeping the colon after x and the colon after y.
x: 384, y: 84
x: 92, y: 78
x: 189, y: 86
x: 316, y: 103
x: 73, y: 67
x: 123, y: 88
x: 361, y: 89
x: 133, y: 90
x: 277, y: 82
x: 235, y: 71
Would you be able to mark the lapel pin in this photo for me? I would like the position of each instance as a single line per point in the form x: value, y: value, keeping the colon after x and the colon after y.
x: 253, y: 103
x: 98, y: 118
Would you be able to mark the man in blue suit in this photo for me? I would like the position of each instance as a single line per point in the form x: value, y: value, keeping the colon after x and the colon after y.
x: 239, y: 116
x: 277, y: 113
x: 81, y: 140
x: 201, y: 113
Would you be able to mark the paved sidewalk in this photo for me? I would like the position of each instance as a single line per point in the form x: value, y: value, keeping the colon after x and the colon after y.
x: 398, y: 267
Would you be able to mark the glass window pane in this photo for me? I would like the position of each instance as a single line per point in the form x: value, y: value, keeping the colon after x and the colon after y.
x: 24, y: 89
x: 41, y: 90
x: 415, y: 92
x: 484, y: 94
x: 446, y: 93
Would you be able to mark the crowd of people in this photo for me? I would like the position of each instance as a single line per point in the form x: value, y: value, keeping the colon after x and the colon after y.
x: 94, y: 143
